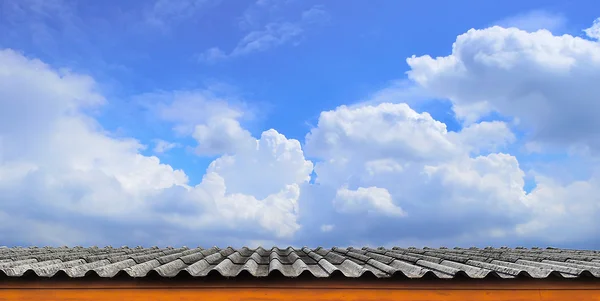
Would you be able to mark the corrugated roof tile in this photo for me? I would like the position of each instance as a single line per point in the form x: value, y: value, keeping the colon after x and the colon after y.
x: 19, y: 270
x: 142, y: 269
x: 50, y: 270
x: 81, y: 270
x: 319, y: 262
x: 171, y: 269
x: 197, y: 268
x: 590, y: 263
x: 112, y: 269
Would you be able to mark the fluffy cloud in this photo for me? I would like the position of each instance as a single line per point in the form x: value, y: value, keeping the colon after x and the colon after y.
x: 570, y: 210
x: 394, y: 169
x: 372, y: 132
x: 59, y: 167
x: 547, y: 83
x: 384, y: 173
x: 486, y: 136
x: 258, y: 186
x: 594, y: 31
x: 363, y: 200
x: 221, y: 135
x: 392, y: 137
x: 535, y: 20
x: 212, y: 120
x: 279, y: 160
x: 162, y: 146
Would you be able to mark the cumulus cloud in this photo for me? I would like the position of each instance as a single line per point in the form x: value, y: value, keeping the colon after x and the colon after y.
x: 59, y: 167
x: 564, y: 210
x: 279, y: 160
x: 546, y: 83
x: 486, y: 136
x: 372, y: 132
x: 384, y: 173
x: 535, y: 20
x: 398, y: 169
x: 212, y: 120
x: 364, y: 200
x: 186, y: 109
x: 221, y: 136
x: 399, y: 90
x: 594, y: 31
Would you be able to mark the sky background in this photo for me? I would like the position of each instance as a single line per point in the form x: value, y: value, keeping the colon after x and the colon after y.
x: 303, y: 123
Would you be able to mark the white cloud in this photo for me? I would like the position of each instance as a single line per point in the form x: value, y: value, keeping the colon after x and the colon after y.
x: 189, y: 108
x: 212, y: 55
x: 162, y: 146
x: 569, y: 210
x: 31, y: 16
x: 380, y: 166
x: 399, y: 91
x: 547, y: 83
x: 238, y: 212
x: 259, y: 184
x: 327, y: 228
x: 494, y: 182
x: 374, y: 161
x: 280, y: 161
x: 315, y: 14
x: 389, y: 130
x: 212, y: 120
x: 272, y: 35
x: 272, y: 2
x: 395, y: 168
x: 254, y: 15
x: 165, y: 13
x: 486, y: 136
x: 365, y: 200
x: 535, y: 20
x: 402, y: 174
x: 64, y: 168
x: 594, y: 31
x: 221, y: 136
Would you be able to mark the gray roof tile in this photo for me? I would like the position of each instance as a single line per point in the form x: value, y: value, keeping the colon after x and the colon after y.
x: 142, y: 269
x: 81, y: 270
x: 19, y: 270
x: 290, y: 262
x: 112, y: 269
x: 170, y: 269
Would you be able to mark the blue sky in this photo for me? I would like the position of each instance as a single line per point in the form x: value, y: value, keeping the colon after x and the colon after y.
x: 299, y: 122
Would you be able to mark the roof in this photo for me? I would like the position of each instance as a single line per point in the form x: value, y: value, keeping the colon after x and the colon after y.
x: 350, y: 262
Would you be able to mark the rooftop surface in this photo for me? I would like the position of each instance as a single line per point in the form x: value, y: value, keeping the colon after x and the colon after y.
x: 107, y: 262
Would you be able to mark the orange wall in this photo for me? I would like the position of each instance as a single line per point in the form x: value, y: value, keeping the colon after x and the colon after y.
x: 140, y: 290
x: 219, y: 294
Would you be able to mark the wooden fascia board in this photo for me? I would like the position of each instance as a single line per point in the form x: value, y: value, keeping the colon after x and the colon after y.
x: 322, y: 289
x: 232, y: 283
